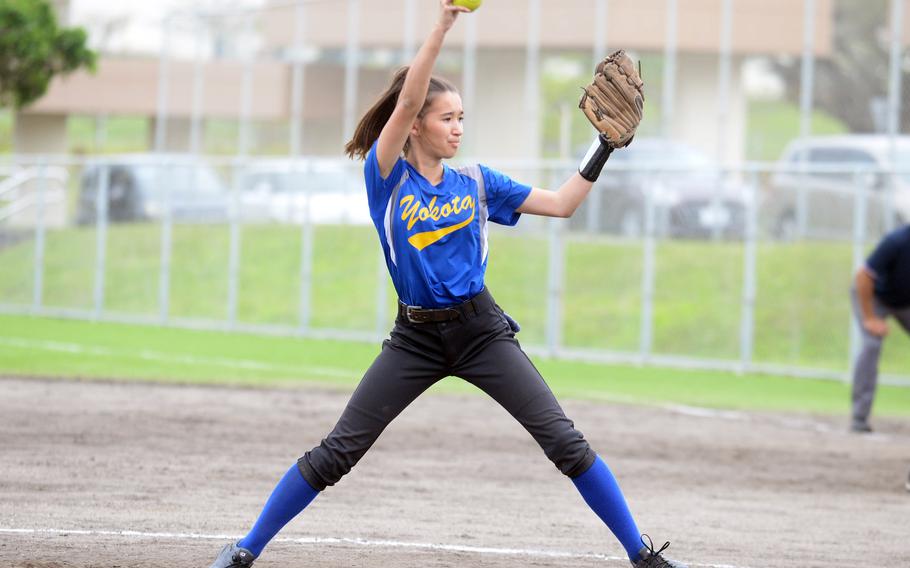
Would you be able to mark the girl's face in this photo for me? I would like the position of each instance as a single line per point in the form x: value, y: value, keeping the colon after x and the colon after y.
x: 438, y: 133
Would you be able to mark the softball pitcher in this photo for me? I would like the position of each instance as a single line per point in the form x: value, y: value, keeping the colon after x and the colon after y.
x: 432, y: 223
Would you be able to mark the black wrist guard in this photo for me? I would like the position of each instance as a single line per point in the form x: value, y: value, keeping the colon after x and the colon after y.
x: 595, y: 159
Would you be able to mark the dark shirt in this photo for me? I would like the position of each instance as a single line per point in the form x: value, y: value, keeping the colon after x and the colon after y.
x: 889, y: 263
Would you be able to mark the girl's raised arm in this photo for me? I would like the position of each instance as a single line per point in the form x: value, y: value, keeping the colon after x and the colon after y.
x: 414, y: 91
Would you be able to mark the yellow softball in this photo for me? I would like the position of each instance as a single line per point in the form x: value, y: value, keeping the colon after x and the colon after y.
x: 469, y: 4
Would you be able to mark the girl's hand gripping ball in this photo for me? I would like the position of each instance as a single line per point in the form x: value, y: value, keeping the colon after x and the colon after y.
x: 469, y: 4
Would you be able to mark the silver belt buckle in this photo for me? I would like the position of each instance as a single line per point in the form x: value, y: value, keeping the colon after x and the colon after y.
x: 407, y: 312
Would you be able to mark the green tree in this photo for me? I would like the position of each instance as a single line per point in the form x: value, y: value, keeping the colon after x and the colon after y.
x: 857, y: 71
x: 33, y: 49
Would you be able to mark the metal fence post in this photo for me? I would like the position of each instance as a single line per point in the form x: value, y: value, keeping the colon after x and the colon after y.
x: 100, y: 138
x: 723, y: 79
x: 351, y: 67
x: 807, y: 86
x: 38, y: 273
x: 198, y: 86
x: 164, y: 270
x: 469, y: 74
x: 555, y: 278
x: 161, y: 113
x: 306, y: 262
x: 245, y: 129
x: 298, y: 80
x: 894, y: 107
x: 859, y: 249
x: 594, y: 202
x: 234, y: 251
x: 647, y: 277
x: 382, y: 284
x: 668, y: 96
x: 723, y: 101
x: 532, y: 79
x: 101, y: 238
x: 600, y: 30
x: 409, y: 40
x: 747, y: 324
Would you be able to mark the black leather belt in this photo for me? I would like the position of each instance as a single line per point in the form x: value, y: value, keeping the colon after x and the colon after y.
x: 467, y: 309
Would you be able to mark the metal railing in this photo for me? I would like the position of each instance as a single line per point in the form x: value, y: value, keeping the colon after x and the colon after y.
x: 732, y: 214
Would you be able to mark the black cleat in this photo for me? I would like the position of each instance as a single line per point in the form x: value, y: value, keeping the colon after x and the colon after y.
x: 860, y: 427
x: 651, y: 558
x: 232, y: 556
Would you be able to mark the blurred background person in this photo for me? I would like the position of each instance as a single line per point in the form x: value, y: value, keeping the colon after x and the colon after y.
x: 881, y: 289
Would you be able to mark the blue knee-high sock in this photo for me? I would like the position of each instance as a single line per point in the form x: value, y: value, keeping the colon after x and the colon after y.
x: 600, y: 491
x: 290, y: 496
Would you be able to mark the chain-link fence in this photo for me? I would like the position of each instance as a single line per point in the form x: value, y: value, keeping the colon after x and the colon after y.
x: 678, y: 265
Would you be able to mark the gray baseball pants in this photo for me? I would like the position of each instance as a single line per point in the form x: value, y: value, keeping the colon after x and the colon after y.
x: 865, y: 370
x: 480, y: 347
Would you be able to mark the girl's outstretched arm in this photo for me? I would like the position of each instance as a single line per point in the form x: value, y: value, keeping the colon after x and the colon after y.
x: 564, y: 201
x: 560, y: 203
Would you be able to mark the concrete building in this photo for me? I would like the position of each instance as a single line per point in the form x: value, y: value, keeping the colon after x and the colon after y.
x: 502, y: 92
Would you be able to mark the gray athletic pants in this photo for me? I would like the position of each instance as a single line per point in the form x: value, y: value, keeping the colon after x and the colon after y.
x: 479, y: 347
x: 865, y: 371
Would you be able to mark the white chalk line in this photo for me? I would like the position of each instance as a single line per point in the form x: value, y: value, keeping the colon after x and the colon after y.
x: 149, y: 355
x: 791, y: 423
x: 368, y: 543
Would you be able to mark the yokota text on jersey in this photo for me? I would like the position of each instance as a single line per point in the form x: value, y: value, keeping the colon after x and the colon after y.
x: 412, y: 211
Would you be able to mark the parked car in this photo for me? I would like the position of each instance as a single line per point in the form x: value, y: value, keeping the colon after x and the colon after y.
x: 140, y: 187
x: 298, y: 190
x: 812, y: 192
x: 691, y: 198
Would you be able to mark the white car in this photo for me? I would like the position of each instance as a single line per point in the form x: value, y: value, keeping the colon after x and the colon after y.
x: 813, y: 191
x: 303, y: 190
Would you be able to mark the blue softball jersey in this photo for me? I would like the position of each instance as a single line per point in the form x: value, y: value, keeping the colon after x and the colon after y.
x: 435, y: 236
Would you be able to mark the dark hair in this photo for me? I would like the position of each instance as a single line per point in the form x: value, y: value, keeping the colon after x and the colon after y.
x: 374, y: 120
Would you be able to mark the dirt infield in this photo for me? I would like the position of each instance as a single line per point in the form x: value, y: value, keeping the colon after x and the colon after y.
x: 185, y: 466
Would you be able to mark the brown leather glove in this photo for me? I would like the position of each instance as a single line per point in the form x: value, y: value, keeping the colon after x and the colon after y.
x: 614, y: 100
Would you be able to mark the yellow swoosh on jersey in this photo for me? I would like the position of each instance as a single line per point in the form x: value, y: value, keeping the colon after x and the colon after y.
x: 412, y: 211
x: 422, y: 240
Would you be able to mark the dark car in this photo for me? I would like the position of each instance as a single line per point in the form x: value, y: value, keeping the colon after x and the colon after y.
x: 690, y: 196
x: 141, y: 188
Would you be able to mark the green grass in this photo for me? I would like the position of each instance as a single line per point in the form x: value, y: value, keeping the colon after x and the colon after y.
x: 220, y: 136
x: 801, y: 313
x: 132, y: 134
x: 771, y: 125
x: 6, y: 131
x: 122, y: 134
x: 79, y: 349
